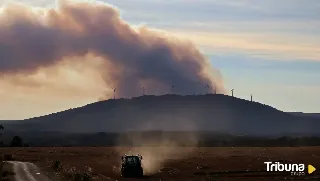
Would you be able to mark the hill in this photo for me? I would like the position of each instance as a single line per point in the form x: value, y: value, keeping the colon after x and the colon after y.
x: 214, y: 113
x: 314, y: 115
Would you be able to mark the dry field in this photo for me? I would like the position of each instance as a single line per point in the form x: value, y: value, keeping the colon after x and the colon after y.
x: 163, y: 163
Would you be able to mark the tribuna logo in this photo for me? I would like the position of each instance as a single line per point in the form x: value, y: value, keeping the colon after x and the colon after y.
x: 294, y: 169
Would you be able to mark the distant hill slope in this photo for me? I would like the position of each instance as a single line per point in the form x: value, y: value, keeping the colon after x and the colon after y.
x: 172, y: 112
x: 314, y: 115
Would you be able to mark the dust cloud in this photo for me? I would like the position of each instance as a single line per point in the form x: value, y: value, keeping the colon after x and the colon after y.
x: 158, y: 148
x: 33, y: 38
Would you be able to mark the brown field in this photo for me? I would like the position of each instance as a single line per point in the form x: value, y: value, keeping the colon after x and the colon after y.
x: 183, y: 163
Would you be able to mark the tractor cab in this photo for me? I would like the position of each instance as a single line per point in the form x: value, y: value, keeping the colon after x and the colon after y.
x: 131, y: 161
x: 131, y: 166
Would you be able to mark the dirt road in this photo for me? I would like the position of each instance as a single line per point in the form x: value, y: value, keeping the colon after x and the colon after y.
x: 25, y: 171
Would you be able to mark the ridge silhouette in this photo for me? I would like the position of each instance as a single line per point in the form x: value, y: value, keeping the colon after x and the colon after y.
x: 211, y: 112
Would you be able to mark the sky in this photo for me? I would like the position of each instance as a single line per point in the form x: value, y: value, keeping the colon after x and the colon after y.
x: 267, y: 48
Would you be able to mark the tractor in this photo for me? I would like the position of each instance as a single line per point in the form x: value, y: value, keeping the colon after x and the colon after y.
x: 131, y: 166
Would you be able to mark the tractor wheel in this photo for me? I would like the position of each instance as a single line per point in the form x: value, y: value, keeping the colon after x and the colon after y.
x: 123, y: 174
x: 140, y: 173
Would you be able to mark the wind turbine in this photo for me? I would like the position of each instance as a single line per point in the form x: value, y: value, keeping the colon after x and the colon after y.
x: 232, y: 92
x: 207, y: 87
x: 215, y: 90
x: 143, y: 89
x: 114, y: 93
x: 172, y: 87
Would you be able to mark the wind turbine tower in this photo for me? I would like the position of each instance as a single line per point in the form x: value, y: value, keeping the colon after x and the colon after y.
x: 207, y: 87
x: 172, y: 89
x: 251, y: 97
x: 114, y: 93
x: 232, y: 92
x: 143, y: 90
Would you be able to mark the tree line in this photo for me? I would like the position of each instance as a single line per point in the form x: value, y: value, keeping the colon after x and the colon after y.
x: 16, y: 141
x: 112, y: 139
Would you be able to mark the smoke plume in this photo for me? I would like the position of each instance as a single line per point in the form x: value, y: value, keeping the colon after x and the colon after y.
x: 35, y: 38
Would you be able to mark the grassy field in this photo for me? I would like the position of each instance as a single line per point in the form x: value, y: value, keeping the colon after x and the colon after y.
x: 170, y: 163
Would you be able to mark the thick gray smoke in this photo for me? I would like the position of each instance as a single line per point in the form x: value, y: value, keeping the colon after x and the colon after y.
x: 131, y: 58
x: 31, y: 39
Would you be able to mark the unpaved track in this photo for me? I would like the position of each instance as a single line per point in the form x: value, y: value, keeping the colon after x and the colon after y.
x: 25, y: 171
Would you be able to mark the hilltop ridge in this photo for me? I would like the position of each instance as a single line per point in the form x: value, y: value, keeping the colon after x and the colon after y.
x: 211, y: 112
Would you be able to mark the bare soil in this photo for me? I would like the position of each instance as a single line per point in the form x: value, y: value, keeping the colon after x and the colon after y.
x: 185, y: 163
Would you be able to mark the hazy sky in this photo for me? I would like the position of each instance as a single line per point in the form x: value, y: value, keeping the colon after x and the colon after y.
x: 268, y: 48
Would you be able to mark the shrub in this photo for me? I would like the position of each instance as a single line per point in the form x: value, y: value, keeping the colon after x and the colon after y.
x: 82, y: 177
x: 77, y: 177
x: 8, y: 157
x: 1, y: 167
x: 6, y: 173
x: 17, y: 142
x: 57, y: 165
x: 86, y: 177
